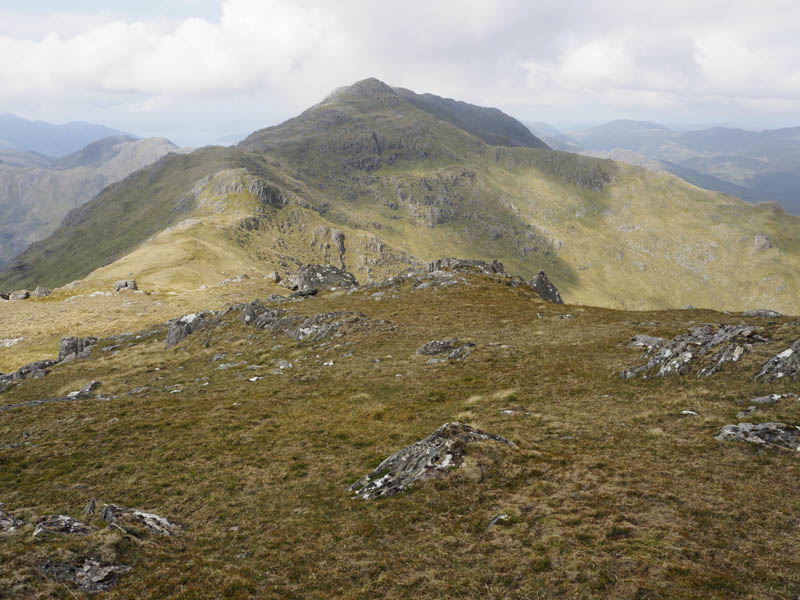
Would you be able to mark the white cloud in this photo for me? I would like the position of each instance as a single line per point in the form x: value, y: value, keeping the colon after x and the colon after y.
x: 270, y: 58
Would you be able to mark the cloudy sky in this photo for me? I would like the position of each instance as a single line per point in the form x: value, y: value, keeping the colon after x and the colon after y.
x: 198, y: 70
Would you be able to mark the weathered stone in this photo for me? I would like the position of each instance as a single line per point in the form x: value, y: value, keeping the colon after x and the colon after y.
x: 41, y: 292
x: 321, y: 277
x: 273, y: 276
x: 125, y: 284
x: 646, y: 341
x: 432, y: 456
x: 542, y: 286
x: 85, y: 391
x: 784, y: 364
x: 304, y: 293
x: 8, y: 342
x: 90, y: 575
x: 315, y: 328
x: 62, y: 524
x: 730, y: 343
x: 32, y: 370
x: 464, y: 264
x: 764, y: 434
x: 439, y: 347
x: 771, y: 399
x: 74, y: 347
x: 19, y: 295
x: 8, y: 522
x: 152, y: 522
x: 182, y: 327
x: 761, y: 242
x: 763, y: 313
x: 502, y: 519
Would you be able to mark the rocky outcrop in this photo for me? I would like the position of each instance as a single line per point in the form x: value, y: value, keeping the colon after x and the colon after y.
x: 90, y: 574
x: 464, y: 264
x: 648, y: 342
x: 125, y: 284
x: 151, y: 522
x: 8, y: 522
x: 182, y: 327
x: 321, y: 277
x: 763, y: 434
x: 724, y: 344
x: 542, y: 286
x: 41, y: 292
x: 315, y: 328
x: 763, y: 313
x: 18, y: 295
x: 74, y: 347
x: 62, y: 524
x: 32, y: 370
x: 454, y: 348
x: 784, y: 364
x: 432, y: 456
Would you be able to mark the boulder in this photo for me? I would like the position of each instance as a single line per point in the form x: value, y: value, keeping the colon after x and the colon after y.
x: 151, y: 522
x: 74, y: 347
x: 763, y: 313
x: 432, y: 456
x: 41, y: 292
x: 125, y: 284
x: 19, y: 295
x: 464, y: 264
x: 273, y: 276
x: 321, y: 277
x: 91, y: 574
x: 542, y: 286
x: 182, y: 327
x: 8, y: 522
x: 763, y: 434
x: 784, y: 364
x: 725, y: 344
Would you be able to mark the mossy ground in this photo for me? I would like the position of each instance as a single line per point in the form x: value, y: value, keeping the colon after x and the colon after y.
x: 612, y: 493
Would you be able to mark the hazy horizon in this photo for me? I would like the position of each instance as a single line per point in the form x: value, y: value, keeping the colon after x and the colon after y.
x: 197, y: 71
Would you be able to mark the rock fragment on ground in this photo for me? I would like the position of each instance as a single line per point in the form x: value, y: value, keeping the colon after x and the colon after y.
x: 8, y: 522
x: 321, y: 277
x: 125, y: 284
x: 432, y: 456
x: 150, y: 521
x: 41, y: 292
x: 648, y: 342
x: 763, y: 313
x: 90, y: 574
x: 62, y: 524
x: 764, y: 434
x: 785, y: 364
x: 182, y: 327
x: 542, y: 286
x: 74, y: 347
x: 18, y: 295
x: 724, y: 343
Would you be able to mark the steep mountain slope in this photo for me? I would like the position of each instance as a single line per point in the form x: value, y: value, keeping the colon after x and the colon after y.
x: 36, y: 192
x: 369, y: 181
x: 45, y: 138
x: 757, y: 166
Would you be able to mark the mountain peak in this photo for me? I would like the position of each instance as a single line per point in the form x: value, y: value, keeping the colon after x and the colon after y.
x: 370, y: 88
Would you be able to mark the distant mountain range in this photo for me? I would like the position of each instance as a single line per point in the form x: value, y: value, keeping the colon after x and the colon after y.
x: 378, y: 180
x: 755, y: 166
x: 21, y: 135
x: 36, y: 191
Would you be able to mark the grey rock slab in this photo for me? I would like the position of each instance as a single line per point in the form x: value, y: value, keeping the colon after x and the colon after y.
x: 764, y: 434
x: 125, y: 284
x: 179, y: 329
x: 41, y: 292
x: 785, y: 364
x: 8, y: 522
x: 464, y: 264
x: 19, y: 295
x: 430, y: 457
x: 543, y: 286
x: 648, y: 342
x: 763, y: 313
x: 439, y: 347
x: 74, y: 347
x: 312, y: 276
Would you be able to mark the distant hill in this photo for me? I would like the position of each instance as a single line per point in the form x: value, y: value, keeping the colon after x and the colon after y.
x: 376, y: 181
x: 756, y: 166
x: 36, y: 191
x: 21, y: 135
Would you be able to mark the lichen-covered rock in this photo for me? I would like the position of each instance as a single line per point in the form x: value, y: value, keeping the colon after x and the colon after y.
x: 41, y: 292
x: 19, y: 295
x: 464, y: 264
x: 315, y: 328
x: 439, y: 347
x: 125, y: 284
x: 764, y: 434
x: 648, y: 342
x: 62, y: 524
x: 321, y: 277
x: 542, y: 286
x: 763, y: 313
x: 727, y: 342
x: 74, y: 347
x: 90, y: 574
x: 432, y: 456
x: 150, y: 521
x: 784, y: 364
